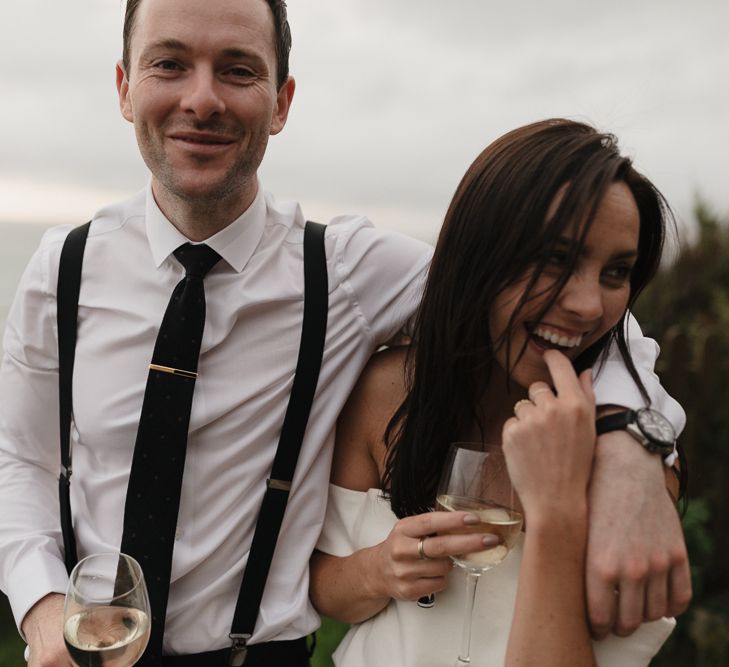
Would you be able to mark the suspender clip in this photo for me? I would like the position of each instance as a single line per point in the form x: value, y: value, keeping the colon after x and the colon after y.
x: 66, y: 472
x: 278, y: 485
x: 239, y: 650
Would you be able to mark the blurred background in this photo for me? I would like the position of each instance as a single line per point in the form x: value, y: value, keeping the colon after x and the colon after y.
x: 393, y: 102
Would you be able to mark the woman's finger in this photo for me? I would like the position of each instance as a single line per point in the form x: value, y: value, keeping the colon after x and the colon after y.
x: 444, y: 546
x: 586, y: 384
x: 540, y: 392
x: 429, y: 523
x: 563, y: 374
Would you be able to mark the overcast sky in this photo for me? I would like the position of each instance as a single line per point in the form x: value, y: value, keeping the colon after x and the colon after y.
x: 394, y: 100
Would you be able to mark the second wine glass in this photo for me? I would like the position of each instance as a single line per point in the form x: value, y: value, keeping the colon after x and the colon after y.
x: 106, y: 614
x: 475, y: 480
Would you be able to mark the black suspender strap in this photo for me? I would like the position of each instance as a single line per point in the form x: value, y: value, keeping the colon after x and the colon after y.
x: 69, y: 284
x: 311, y: 350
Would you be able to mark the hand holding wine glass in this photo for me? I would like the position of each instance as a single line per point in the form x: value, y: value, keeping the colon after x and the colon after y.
x: 106, y: 614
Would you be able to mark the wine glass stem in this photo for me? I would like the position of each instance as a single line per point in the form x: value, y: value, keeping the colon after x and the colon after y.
x: 464, y: 657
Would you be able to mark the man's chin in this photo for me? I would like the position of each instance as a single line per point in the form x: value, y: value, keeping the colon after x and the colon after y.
x: 197, y: 189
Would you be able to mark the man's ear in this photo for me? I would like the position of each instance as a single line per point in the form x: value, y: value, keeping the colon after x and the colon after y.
x: 283, y: 104
x: 122, y: 86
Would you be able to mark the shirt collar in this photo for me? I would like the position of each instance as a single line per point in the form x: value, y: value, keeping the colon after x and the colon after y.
x: 234, y: 243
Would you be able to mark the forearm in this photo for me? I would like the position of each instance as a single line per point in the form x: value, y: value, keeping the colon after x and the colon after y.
x: 635, y: 544
x: 31, y: 563
x: 618, y: 455
x: 550, y: 625
x: 345, y: 588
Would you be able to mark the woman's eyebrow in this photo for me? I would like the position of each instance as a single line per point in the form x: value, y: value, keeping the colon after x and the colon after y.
x: 567, y: 244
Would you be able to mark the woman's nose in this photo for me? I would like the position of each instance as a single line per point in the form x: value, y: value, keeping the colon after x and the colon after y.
x: 582, y: 296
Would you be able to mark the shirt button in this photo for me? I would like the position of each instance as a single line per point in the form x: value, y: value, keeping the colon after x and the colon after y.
x: 179, y: 533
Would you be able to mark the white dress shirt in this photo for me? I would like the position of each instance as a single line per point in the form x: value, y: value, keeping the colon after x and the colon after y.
x: 247, y: 362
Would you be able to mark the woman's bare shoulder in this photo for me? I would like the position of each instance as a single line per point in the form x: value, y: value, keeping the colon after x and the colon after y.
x: 360, y: 449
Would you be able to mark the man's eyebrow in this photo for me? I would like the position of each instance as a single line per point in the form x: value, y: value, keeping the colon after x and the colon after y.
x: 172, y: 44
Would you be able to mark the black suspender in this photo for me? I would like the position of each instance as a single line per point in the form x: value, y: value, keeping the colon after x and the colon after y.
x: 311, y: 349
x: 69, y: 284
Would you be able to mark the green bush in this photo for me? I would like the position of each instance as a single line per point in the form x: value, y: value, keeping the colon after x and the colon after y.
x: 686, y: 309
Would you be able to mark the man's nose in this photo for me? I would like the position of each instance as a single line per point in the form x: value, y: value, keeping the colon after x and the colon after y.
x: 202, y: 95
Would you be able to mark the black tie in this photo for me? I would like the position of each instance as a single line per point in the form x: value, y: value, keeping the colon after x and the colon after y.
x: 155, y: 481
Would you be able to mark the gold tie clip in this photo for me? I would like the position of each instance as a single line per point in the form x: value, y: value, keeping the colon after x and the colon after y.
x: 173, y: 371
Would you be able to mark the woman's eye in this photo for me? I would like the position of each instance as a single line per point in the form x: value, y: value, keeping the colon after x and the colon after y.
x: 618, y: 274
x: 559, y: 259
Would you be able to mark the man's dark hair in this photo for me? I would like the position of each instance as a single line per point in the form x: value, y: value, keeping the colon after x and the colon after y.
x: 281, y: 29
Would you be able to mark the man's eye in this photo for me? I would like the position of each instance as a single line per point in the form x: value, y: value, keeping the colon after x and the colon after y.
x: 240, y: 72
x: 167, y: 65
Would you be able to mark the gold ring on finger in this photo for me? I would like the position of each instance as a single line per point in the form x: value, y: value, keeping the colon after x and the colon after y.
x: 421, y: 549
x: 519, y: 404
x: 536, y: 392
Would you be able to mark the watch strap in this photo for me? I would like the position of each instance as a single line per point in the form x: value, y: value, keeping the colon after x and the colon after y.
x: 615, y: 421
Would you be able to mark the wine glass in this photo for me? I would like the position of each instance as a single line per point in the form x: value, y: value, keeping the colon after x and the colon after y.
x: 475, y: 480
x: 106, y: 615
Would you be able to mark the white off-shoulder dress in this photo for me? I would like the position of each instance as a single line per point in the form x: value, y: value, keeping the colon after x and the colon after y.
x: 405, y: 635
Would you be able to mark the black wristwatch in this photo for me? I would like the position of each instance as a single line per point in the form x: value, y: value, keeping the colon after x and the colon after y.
x: 649, y: 427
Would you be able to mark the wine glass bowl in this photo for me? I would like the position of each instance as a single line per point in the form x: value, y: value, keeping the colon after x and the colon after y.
x: 496, y: 519
x: 106, y: 613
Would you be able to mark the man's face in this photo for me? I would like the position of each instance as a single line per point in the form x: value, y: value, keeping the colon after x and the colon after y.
x: 201, y: 92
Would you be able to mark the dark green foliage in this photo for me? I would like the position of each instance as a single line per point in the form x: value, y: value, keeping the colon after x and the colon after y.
x: 686, y: 309
x: 327, y: 638
x: 11, y: 646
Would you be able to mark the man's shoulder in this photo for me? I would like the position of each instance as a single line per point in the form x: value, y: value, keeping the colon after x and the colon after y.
x: 118, y: 214
x: 354, y: 240
x: 346, y: 234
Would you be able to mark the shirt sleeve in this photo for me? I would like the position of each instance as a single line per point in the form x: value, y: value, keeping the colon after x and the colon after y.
x: 354, y: 520
x: 636, y: 650
x: 383, y: 273
x: 31, y: 562
x: 614, y: 385
x: 344, y: 509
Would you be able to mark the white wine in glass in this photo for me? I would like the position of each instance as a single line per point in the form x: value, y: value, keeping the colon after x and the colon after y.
x: 475, y: 480
x: 106, y: 614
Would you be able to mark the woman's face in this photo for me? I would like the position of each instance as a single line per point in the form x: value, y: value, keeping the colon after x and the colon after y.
x: 591, y: 302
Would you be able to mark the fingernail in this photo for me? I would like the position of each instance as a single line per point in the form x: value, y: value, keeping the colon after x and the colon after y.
x: 491, y: 540
x: 471, y: 519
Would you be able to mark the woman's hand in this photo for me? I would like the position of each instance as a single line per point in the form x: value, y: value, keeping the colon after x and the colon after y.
x: 405, y: 568
x: 549, y: 443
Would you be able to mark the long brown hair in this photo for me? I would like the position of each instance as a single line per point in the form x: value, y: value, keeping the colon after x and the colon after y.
x: 496, y: 231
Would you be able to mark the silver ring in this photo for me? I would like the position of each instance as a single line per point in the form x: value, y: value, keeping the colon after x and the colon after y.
x: 421, y: 549
x: 518, y: 404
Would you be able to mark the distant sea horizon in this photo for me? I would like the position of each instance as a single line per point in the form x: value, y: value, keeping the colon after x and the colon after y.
x: 19, y: 241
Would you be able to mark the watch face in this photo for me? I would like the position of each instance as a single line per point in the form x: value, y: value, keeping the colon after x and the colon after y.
x: 656, y: 427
